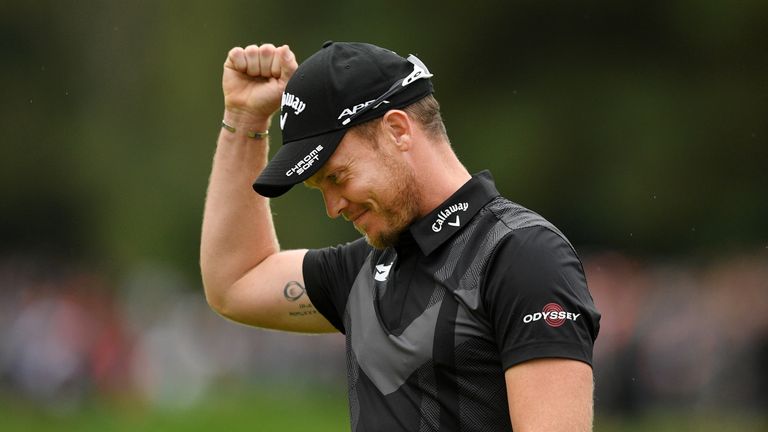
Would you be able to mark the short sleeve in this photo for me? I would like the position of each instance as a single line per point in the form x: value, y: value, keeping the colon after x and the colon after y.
x: 537, y: 299
x: 329, y: 274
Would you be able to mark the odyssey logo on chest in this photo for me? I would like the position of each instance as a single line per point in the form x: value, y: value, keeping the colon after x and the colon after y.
x: 446, y: 213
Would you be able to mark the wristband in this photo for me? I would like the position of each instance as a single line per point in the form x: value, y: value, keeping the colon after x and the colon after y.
x: 251, y: 134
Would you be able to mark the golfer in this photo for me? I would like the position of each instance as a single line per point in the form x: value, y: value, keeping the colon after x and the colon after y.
x: 462, y: 310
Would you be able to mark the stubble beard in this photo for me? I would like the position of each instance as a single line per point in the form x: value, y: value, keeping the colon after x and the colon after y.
x: 401, y: 210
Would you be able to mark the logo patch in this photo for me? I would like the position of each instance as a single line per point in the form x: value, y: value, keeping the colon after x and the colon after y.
x: 445, y: 213
x: 292, y: 102
x: 553, y: 314
x: 382, y: 272
x: 283, y: 118
x: 352, y: 110
x: 306, y: 162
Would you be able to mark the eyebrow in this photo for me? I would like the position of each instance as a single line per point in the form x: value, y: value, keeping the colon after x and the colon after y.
x: 320, y: 174
x: 311, y: 183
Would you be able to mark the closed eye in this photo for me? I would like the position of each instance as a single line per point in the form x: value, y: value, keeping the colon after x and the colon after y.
x: 335, y: 177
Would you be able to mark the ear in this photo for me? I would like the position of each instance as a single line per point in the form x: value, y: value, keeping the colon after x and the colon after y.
x: 399, y: 128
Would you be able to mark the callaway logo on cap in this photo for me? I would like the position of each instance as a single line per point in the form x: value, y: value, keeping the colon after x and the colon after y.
x: 341, y: 86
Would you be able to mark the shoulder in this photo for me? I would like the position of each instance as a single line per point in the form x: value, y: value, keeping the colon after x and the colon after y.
x: 351, y: 254
x: 531, y: 252
x: 512, y: 228
x: 535, y: 248
x: 335, y: 266
x: 516, y: 217
x: 329, y: 274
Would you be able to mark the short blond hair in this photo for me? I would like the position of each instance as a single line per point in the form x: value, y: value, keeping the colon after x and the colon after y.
x: 426, y: 111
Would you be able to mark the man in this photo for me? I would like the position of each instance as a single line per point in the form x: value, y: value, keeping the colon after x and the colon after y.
x: 461, y: 309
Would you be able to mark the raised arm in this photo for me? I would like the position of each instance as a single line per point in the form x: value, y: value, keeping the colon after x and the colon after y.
x: 246, y: 276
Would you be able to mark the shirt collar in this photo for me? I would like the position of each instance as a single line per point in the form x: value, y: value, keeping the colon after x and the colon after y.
x: 453, y: 214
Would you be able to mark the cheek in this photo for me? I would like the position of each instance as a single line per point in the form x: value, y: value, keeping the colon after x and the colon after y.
x: 365, y: 191
x: 377, y: 188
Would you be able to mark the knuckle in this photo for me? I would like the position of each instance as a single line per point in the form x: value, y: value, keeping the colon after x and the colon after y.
x: 252, y: 49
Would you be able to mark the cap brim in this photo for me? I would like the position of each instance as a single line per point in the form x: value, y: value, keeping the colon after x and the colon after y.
x: 295, y: 162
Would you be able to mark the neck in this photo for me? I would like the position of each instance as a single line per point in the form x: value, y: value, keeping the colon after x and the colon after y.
x: 439, y: 174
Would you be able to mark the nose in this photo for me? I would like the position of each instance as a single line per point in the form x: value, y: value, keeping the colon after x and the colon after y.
x: 334, y: 203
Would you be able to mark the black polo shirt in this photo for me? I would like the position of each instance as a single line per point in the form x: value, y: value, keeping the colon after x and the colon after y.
x: 475, y: 287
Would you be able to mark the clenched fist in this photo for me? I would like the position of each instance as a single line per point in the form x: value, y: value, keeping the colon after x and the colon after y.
x: 254, y: 79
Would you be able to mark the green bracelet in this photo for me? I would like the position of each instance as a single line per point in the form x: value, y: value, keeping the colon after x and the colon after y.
x: 251, y: 134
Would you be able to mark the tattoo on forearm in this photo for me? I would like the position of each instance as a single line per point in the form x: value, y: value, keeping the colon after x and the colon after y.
x: 293, y: 291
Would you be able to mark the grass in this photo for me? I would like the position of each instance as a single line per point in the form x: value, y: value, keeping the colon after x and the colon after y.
x: 288, y: 410
x: 275, y: 410
x: 680, y: 421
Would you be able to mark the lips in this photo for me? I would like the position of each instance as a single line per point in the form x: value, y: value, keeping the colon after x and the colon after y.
x: 358, y: 216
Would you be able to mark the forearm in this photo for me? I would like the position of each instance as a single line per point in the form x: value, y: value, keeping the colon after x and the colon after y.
x: 238, y: 232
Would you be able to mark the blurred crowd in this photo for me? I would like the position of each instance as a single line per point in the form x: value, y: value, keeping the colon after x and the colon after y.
x: 681, y: 335
x: 67, y: 336
x: 687, y: 335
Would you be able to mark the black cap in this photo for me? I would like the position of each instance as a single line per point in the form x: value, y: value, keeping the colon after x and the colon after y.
x: 342, y: 85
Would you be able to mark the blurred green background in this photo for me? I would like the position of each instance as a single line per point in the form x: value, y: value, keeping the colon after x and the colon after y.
x: 639, y: 128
